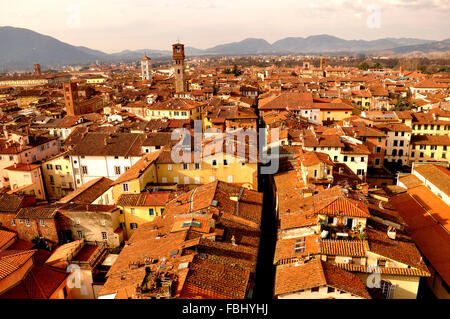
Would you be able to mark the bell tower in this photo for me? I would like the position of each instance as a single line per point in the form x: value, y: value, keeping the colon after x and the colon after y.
x: 178, y: 63
x: 306, y: 64
x: 146, y: 68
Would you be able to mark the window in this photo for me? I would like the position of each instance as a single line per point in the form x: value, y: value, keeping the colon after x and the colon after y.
x: 27, y: 222
x: 362, y: 159
x: 330, y: 220
x: 49, y: 166
x: 84, y: 169
x: 214, y: 163
x: 133, y: 226
x: 395, y: 143
x: 345, y: 158
x: 315, y: 289
x: 58, y: 167
x: 186, y: 180
x: 52, y: 180
x: 42, y: 222
x: 331, y: 289
x: 77, y: 221
x: 151, y: 212
x: 133, y: 211
x: 185, y: 166
x: 360, y: 172
x: 299, y: 245
x: 225, y: 163
x: 335, y: 158
x: 381, y: 263
x: 377, y: 161
x: 348, y: 222
x: 125, y: 187
x: 162, y: 211
x: 378, y: 149
x: 126, y: 168
x: 197, y: 166
x: 352, y: 159
x: 80, y: 234
x: 117, y: 170
x: 169, y: 167
x: 197, y: 180
x: 13, y: 222
x: 104, y: 236
x: 331, y: 259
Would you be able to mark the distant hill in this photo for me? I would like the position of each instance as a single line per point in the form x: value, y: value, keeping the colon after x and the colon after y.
x: 327, y: 43
x: 247, y: 46
x: 436, y: 46
x: 21, y: 48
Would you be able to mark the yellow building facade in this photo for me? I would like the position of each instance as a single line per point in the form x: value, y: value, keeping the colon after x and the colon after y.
x: 58, y: 176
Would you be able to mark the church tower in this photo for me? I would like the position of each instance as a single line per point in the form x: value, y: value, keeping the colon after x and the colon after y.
x: 146, y: 68
x: 306, y: 64
x: 178, y: 63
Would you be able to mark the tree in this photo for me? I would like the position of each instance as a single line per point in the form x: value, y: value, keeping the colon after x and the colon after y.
x: 422, y: 68
x: 364, y: 66
x: 40, y: 243
x: 377, y: 66
x: 236, y: 71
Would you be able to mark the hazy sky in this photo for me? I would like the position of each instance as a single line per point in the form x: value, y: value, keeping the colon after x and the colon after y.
x: 115, y: 25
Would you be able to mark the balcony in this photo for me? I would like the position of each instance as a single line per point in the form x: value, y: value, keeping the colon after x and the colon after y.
x: 341, y: 232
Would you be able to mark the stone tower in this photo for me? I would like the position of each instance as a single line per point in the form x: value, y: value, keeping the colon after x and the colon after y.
x: 146, y: 68
x: 306, y: 64
x: 37, y: 69
x: 71, y: 98
x: 323, y: 63
x: 178, y: 63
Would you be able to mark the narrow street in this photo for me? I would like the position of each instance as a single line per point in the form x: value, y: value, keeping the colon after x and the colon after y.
x: 265, y: 271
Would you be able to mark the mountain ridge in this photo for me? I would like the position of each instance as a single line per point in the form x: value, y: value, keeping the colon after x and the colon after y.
x: 21, y: 47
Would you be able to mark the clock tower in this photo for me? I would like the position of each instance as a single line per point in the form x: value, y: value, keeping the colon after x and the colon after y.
x: 178, y: 63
